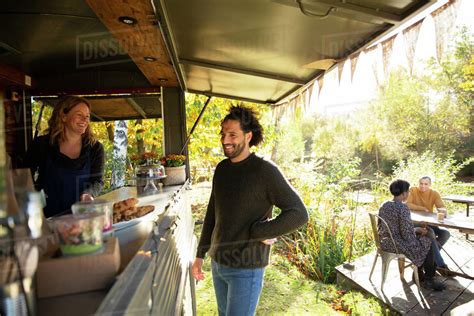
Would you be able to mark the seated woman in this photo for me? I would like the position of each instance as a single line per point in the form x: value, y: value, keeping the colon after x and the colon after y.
x: 412, y: 242
x: 423, y: 198
x: 69, y: 162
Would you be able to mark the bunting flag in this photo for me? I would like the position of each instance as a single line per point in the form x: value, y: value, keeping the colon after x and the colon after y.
x: 320, y: 84
x: 292, y: 107
x: 354, y: 59
x: 340, y: 68
x: 309, y: 93
x: 444, y: 19
x: 387, y: 48
x: 277, y: 112
x: 373, y: 55
x: 411, y: 38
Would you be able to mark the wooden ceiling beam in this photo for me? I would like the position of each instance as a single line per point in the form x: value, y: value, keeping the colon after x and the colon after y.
x: 96, y: 92
x: 143, y: 39
x: 10, y: 75
x: 137, y: 107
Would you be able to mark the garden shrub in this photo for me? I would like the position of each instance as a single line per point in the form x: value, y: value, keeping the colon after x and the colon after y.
x: 441, y: 170
x: 325, y: 241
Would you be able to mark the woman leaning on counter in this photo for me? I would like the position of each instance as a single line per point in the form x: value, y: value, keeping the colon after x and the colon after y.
x: 68, y: 162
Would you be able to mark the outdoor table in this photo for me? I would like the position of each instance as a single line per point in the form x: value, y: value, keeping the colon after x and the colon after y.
x: 461, y: 223
x: 468, y: 200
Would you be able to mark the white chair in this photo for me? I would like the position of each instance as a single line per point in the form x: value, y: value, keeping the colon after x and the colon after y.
x: 389, y: 256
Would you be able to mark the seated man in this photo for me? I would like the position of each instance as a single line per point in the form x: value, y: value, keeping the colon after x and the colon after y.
x: 423, y: 198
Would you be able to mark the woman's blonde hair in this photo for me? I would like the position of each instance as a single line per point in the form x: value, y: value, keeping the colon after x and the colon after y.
x: 56, y: 129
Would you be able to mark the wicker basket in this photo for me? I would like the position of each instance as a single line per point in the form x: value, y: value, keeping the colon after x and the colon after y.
x: 175, y: 175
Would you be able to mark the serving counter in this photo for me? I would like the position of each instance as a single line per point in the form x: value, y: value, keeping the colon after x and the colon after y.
x: 156, y: 254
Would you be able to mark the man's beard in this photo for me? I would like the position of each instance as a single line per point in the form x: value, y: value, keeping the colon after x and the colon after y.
x: 238, y: 148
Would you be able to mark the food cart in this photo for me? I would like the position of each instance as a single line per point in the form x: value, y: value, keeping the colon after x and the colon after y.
x: 135, y: 59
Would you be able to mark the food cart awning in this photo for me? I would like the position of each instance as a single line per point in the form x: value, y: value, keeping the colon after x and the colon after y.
x: 260, y: 51
x: 264, y: 50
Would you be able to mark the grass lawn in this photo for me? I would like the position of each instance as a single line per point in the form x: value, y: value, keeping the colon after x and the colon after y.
x: 288, y: 292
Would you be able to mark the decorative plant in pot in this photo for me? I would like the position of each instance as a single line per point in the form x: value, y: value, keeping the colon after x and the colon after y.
x: 175, y: 169
x: 146, y: 158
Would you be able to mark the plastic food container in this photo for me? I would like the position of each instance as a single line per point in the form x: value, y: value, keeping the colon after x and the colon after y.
x: 97, y: 206
x: 150, y: 172
x: 147, y: 177
x: 79, y: 234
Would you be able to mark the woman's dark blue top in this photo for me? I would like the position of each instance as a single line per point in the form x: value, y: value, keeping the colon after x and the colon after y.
x: 64, y: 179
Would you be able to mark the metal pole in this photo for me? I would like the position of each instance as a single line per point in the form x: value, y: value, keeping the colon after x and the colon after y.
x: 195, y: 124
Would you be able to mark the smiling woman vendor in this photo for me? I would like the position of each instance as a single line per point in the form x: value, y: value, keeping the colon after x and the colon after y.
x: 68, y: 162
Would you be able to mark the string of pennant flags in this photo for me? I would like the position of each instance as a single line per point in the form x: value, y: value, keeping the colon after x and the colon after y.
x: 379, y: 56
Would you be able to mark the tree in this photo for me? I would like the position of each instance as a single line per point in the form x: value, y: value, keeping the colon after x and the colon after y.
x: 204, y: 147
x: 453, y: 77
x: 334, y: 138
x: 119, y: 154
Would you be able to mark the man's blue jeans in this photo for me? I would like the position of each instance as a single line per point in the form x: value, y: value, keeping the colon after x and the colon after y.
x: 237, y: 290
x: 442, y: 236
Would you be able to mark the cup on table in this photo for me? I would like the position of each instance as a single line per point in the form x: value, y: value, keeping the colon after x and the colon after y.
x: 440, y: 216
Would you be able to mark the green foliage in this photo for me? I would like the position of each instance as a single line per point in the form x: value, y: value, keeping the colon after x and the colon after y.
x: 204, y: 147
x: 47, y: 112
x: 290, y: 142
x: 149, y: 131
x: 287, y: 292
x: 325, y: 241
x: 397, y: 118
x: 442, y: 171
x: 334, y: 138
x: 420, y: 112
x: 453, y: 75
x: 358, y: 304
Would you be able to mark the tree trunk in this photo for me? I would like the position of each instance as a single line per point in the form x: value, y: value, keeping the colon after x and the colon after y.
x: 377, y: 156
x: 140, y: 141
x: 119, y: 154
x: 110, y: 131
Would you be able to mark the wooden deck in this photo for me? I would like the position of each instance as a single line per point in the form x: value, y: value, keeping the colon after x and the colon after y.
x: 404, y: 297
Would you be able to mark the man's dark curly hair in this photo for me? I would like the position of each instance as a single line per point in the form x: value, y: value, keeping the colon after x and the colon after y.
x: 248, y: 122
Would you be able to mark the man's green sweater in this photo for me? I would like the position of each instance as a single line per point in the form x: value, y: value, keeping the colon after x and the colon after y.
x: 239, y: 214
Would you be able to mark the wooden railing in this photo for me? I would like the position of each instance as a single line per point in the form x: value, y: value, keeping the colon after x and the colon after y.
x: 158, y: 281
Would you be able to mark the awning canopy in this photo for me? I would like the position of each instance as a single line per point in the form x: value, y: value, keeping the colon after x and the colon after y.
x: 265, y: 50
x: 252, y: 50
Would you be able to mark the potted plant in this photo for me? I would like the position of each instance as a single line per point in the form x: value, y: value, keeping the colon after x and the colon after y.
x: 146, y: 158
x: 175, y: 169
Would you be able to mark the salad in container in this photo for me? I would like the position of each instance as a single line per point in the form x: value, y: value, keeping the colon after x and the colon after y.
x: 97, y: 206
x: 80, y: 234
